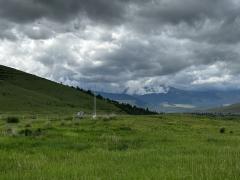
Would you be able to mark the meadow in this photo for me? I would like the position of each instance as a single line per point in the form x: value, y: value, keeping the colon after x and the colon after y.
x: 170, y: 146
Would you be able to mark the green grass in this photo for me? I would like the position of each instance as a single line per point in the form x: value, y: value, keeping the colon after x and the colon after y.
x: 124, y: 147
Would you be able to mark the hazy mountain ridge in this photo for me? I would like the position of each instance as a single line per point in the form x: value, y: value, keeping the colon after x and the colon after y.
x: 177, y: 100
x: 234, y: 108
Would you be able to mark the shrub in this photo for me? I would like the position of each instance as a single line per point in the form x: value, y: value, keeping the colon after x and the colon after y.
x: 62, y: 123
x: 26, y: 132
x: 38, y: 132
x: 29, y: 132
x: 222, y: 130
x: 12, y: 120
x: 28, y: 125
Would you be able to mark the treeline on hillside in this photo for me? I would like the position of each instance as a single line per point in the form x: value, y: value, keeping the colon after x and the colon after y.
x: 133, y: 110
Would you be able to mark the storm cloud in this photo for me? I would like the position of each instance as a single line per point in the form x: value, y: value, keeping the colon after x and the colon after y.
x: 124, y: 44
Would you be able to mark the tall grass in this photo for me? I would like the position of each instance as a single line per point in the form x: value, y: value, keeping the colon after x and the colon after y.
x: 131, y: 147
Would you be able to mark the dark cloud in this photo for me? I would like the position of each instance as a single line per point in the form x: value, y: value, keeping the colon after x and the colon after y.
x: 188, y: 43
x: 188, y: 11
x: 4, y: 31
x: 61, y: 10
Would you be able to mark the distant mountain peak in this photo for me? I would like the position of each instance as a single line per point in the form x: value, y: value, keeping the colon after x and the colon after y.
x: 152, y: 89
x: 156, y: 89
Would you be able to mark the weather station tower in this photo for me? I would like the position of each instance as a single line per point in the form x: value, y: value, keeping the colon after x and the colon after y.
x: 94, y: 106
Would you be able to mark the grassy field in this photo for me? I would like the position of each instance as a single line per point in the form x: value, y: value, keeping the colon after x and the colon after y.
x: 124, y: 147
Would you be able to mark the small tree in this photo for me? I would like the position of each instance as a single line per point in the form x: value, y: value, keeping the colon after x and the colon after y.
x: 222, y: 130
x: 12, y: 120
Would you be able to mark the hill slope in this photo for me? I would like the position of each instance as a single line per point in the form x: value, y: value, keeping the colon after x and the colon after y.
x: 25, y: 93
x: 234, y: 108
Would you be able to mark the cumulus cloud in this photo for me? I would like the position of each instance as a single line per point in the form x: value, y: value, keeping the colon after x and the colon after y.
x: 137, y: 45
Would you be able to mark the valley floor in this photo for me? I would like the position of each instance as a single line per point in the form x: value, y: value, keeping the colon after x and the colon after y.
x: 124, y: 147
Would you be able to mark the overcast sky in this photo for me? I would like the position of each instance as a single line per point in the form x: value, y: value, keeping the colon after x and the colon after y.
x: 117, y: 44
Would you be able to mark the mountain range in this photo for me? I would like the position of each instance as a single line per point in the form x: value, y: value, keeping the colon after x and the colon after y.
x: 177, y: 100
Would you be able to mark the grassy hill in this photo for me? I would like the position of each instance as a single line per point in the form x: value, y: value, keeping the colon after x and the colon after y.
x: 235, y: 108
x: 25, y: 93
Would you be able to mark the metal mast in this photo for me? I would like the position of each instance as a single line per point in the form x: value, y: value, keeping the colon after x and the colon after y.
x: 94, y: 106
